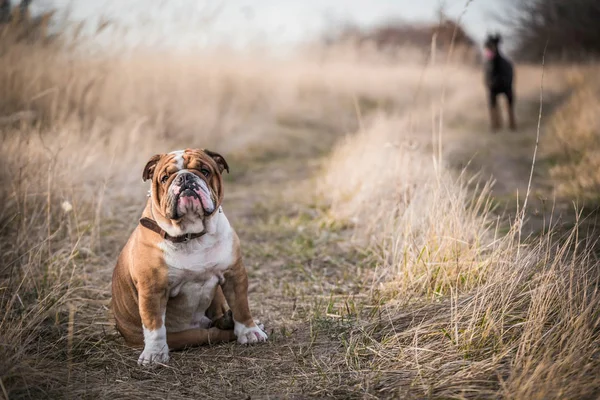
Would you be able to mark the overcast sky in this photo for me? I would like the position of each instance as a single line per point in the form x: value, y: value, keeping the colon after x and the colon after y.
x: 239, y: 22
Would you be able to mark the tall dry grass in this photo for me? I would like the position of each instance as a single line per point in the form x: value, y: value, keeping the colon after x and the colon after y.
x: 529, y: 331
x: 573, y: 142
x: 430, y: 235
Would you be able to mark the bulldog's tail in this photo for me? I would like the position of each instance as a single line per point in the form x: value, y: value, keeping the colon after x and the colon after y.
x: 197, y: 337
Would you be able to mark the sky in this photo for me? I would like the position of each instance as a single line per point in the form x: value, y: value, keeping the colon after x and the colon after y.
x: 181, y: 23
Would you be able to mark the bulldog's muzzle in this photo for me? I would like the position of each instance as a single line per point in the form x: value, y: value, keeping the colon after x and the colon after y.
x: 189, y: 193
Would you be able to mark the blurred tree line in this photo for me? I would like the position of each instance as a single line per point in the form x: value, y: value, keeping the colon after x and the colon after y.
x: 6, y: 12
x: 569, y: 28
x: 17, y: 24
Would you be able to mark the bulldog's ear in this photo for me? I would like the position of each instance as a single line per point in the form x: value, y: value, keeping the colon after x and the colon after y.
x: 150, y: 166
x: 219, y: 159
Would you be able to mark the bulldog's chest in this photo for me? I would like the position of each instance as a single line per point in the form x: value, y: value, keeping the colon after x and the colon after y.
x: 197, y: 264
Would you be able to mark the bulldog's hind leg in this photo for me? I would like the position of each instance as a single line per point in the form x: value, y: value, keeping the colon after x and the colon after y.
x: 197, y: 337
x: 218, y: 311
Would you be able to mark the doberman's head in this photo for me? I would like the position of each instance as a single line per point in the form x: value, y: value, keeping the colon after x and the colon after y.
x: 492, y: 45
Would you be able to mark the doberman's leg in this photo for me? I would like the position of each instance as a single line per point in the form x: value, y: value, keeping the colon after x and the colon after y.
x: 495, y: 118
x: 511, y: 110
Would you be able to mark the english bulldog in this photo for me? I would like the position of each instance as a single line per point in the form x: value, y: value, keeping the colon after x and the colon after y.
x: 181, y: 268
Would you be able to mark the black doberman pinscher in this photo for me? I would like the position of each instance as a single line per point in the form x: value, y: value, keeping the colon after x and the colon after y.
x: 499, y: 80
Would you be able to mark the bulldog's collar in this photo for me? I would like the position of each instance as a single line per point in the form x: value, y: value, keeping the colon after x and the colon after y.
x: 153, y: 226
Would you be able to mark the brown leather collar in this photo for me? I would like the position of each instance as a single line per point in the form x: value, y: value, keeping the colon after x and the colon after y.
x: 153, y: 226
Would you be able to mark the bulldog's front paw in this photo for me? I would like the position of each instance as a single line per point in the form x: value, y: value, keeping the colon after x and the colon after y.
x: 249, y: 334
x: 152, y: 356
x: 156, y: 349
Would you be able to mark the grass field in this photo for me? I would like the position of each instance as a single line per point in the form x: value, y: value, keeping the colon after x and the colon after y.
x: 382, y: 259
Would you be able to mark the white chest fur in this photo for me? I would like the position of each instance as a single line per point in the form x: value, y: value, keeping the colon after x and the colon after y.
x: 195, y: 269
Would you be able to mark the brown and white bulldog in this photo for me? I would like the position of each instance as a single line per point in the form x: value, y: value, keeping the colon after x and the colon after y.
x: 182, y: 264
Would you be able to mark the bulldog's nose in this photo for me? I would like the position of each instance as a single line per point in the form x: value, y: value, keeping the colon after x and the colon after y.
x: 184, y: 179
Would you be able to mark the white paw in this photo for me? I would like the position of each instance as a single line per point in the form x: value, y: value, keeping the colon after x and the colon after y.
x: 154, y: 356
x: 156, y: 349
x: 252, y: 334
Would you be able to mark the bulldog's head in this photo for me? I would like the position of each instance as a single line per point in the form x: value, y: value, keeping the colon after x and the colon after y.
x: 187, y: 188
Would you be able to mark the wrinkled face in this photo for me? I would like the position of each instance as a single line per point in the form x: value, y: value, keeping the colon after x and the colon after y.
x: 186, y: 184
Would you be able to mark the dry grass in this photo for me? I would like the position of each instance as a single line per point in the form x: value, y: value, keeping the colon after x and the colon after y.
x: 529, y: 331
x: 427, y: 299
x: 574, y: 138
x: 430, y: 234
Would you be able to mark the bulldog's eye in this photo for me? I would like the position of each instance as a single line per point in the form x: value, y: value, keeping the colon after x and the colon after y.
x: 205, y: 172
x: 164, y: 179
